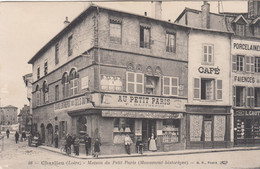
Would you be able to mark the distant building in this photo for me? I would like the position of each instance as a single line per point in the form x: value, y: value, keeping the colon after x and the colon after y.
x: 25, y: 119
x: 28, y: 79
x: 8, y: 116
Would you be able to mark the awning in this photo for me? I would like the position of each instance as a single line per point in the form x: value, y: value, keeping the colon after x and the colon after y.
x: 138, y: 114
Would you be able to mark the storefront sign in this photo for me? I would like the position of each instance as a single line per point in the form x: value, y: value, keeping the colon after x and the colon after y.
x: 73, y: 104
x: 244, y: 46
x: 247, y: 113
x: 146, y: 102
x: 136, y: 114
x: 209, y: 70
x: 244, y: 79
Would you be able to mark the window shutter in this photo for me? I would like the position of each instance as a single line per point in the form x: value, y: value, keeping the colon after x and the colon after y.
x: 252, y: 64
x: 234, y: 62
x: 65, y: 127
x: 248, y: 63
x: 219, y: 89
x: 139, y: 86
x: 174, y: 86
x: 130, y: 82
x: 196, y: 94
x: 234, y: 95
x: 250, y: 97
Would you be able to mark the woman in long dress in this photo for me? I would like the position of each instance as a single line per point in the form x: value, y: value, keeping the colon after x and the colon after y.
x: 152, y: 144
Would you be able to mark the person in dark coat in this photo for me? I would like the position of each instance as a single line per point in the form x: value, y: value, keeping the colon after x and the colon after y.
x: 7, y: 133
x: 68, y: 143
x: 56, y: 139
x: 76, y: 145
x: 16, y: 137
x: 87, y: 141
x: 97, y: 145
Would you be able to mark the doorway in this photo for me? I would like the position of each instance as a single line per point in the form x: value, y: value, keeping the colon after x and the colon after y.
x: 148, y: 127
x: 49, y: 134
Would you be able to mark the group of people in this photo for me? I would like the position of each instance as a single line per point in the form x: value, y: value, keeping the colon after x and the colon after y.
x: 139, y: 144
x: 16, y: 135
x: 75, y: 141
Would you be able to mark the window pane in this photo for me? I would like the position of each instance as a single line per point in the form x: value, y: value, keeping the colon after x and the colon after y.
x: 174, y: 90
x: 131, y: 77
x: 131, y: 87
x: 139, y: 78
x: 196, y: 83
x: 210, y: 58
x: 210, y: 50
x: 196, y: 93
x: 219, y: 94
x: 166, y: 81
x: 139, y: 88
x: 174, y: 82
x: 205, y: 49
x: 219, y: 84
x: 166, y: 90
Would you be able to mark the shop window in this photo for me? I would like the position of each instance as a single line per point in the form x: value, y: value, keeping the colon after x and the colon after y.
x: 56, y: 92
x: 239, y: 96
x: 111, y: 83
x: 171, y: 131
x: 257, y: 64
x: 65, y: 85
x: 250, y: 97
x: 45, y: 67
x: 38, y: 95
x: 38, y: 73
x: 170, y: 86
x: 82, y: 124
x: 135, y: 82
x: 250, y: 63
x: 240, y: 29
x: 145, y: 33
x: 115, y: 31
x: 238, y: 62
x: 122, y: 127
x: 74, y: 80
x: 170, y: 42
x: 56, y: 54
x: 208, y: 54
x: 45, y: 90
x: 257, y: 30
x: 152, y: 85
x: 70, y: 49
x: 257, y: 97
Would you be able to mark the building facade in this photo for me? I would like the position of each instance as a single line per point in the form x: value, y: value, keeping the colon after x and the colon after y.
x: 243, y: 60
x: 110, y: 74
x: 8, y: 117
x: 25, y: 119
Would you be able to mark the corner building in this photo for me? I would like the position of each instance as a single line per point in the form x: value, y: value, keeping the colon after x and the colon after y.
x: 110, y: 73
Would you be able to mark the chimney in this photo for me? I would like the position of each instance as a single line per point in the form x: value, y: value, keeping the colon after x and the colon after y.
x: 66, y: 22
x: 157, y: 9
x: 205, y: 18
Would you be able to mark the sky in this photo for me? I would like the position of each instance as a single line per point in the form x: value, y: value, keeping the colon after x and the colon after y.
x: 25, y: 27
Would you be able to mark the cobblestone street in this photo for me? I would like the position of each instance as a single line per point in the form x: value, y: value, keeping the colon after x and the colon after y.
x: 20, y: 156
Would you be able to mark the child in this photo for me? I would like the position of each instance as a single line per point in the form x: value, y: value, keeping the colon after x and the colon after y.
x: 97, y: 145
x: 139, y: 146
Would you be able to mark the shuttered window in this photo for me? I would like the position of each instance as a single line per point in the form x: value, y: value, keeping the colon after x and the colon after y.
x: 171, y: 86
x: 250, y: 97
x: 196, y: 94
x: 249, y: 64
x: 135, y: 82
x: 219, y: 89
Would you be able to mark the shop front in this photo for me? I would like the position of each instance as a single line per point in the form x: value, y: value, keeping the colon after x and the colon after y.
x: 208, y: 126
x: 246, y: 127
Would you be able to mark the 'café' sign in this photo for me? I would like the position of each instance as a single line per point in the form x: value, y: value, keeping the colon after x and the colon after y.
x: 209, y: 70
x: 145, y: 102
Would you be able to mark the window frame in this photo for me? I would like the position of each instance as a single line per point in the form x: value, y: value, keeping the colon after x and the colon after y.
x: 56, y: 48
x: 70, y: 49
x: 57, y: 93
x: 239, y: 31
x: 143, y: 43
x: 169, y: 48
x: 45, y: 68
x: 170, y: 86
x: 207, y: 54
x: 114, y: 39
x: 135, y: 83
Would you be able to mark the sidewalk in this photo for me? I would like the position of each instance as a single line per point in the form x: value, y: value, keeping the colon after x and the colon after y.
x: 148, y: 153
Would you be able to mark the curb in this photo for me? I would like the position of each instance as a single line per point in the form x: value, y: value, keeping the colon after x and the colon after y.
x: 185, y: 152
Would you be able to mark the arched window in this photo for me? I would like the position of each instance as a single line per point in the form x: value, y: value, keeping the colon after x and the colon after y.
x: 65, y: 83
x: 45, y: 89
x: 74, y: 76
x: 38, y: 95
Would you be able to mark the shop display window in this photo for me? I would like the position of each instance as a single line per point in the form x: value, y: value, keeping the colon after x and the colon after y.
x: 171, y: 131
x: 122, y: 127
x: 247, y: 128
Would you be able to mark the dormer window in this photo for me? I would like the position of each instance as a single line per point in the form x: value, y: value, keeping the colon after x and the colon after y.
x: 256, y: 27
x: 240, y: 29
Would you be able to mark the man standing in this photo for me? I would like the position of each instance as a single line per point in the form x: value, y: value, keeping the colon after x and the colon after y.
x: 16, y: 137
x: 56, y: 138
x: 128, y: 142
x: 7, y: 133
x: 87, y: 141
